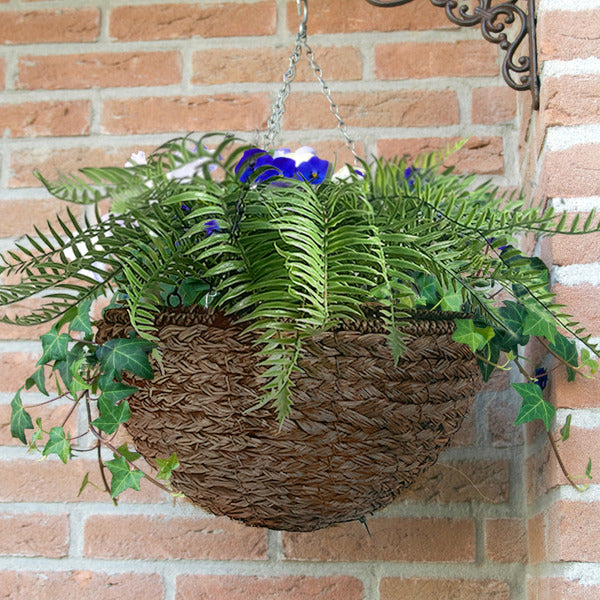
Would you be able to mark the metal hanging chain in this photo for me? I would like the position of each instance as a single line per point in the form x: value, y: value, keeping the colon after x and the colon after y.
x: 278, y: 108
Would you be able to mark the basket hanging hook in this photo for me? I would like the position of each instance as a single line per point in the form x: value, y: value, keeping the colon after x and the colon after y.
x: 303, y: 12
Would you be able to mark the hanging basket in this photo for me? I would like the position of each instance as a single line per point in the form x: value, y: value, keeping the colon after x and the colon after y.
x: 361, y: 429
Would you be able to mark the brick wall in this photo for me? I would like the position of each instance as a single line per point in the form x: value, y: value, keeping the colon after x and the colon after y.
x: 88, y: 83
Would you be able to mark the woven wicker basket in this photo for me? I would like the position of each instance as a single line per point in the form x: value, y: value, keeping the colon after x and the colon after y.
x: 361, y: 429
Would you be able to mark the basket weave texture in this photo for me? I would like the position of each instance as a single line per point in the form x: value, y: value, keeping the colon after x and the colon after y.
x: 361, y: 429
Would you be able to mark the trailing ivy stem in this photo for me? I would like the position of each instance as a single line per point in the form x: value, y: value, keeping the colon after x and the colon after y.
x: 561, y: 464
x: 71, y: 410
x: 102, y: 474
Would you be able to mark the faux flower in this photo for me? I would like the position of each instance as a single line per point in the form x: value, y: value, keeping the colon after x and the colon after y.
x: 211, y: 227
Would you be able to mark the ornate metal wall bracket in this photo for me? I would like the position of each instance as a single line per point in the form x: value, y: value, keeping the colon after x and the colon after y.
x: 519, y: 73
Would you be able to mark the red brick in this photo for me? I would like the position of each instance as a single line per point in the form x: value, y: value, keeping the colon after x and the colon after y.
x: 573, y: 531
x: 34, y: 535
x: 139, y: 536
x: 21, y: 332
x: 53, y: 118
x: 393, y: 539
x: 570, y: 100
x: 326, y: 16
x: 493, y: 105
x: 462, y: 481
x: 19, y: 216
x: 574, y: 171
x: 565, y: 35
x: 183, y: 114
x: 574, y: 249
x: 580, y: 393
x: 583, y: 302
x: 467, y: 434
x: 537, y: 539
x: 102, y: 69
x: 397, y: 588
x: 479, y: 155
x: 506, y: 540
x: 423, y: 60
x: 2, y: 73
x: 402, y: 108
x: 82, y: 585
x: 67, y: 160
x: 560, y: 589
x: 239, y: 587
x: 180, y: 21
x: 501, y: 414
x: 52, y: 481
x: 15, y: 368
x: 267, y: 65
x: 40, y: 26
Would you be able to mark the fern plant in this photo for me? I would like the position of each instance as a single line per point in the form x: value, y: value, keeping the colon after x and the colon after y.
x: 289, y: 249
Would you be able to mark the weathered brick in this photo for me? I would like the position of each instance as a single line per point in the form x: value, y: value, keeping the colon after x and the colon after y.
x: 393, y: 539
x: 52, y: 118
x: 52, y: 481
x: 40, y: 26
x: 423, y: 60
x: 268, y: 64
x: 20, y: 332
x: 19, y: 216
x: 491, y: 105
x: 570, y: 100
x: 356, y: 16
x: 580, y: 393
x: 239, y: 587
x: 462, y: 481
x: 573, y: 531
x: 403, y: 108
x: 34, y: 534
x: 182, y: 114
x: 559, y: 589
x: 180, y: 21
x: 139, y: 536
x: 83, y: 585
x: 574, y: 171
x: 506, y: 540
x: 479, y: 155
x: 67, y: 160
x: 15, y: 368
x: 536, y: 534
x: 397, y: 588
x: 501, y: 414
x: 2, y: 73
x: 102, y: 69
x: 467, y: 434
x: 565, y: 35
x: 583, y: 302
x: 574, y: 249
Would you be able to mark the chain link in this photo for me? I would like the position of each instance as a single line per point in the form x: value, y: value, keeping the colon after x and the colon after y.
x: 278, y: 108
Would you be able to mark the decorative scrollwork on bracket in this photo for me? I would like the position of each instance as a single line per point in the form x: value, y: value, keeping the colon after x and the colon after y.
x: 519, y: 73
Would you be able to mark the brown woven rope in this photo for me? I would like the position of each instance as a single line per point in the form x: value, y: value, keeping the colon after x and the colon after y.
x: 361, y: 429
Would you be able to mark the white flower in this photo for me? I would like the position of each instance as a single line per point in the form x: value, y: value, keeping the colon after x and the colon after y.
x: 303, y: 154
x: 137, y: 158
x: 185, y: 173
x: 347, y: 173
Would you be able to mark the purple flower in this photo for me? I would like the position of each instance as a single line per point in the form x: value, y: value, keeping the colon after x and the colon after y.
x: 211, y: 227
x: 279, y: 167
x: 541, y: 377
x: 313, y: 170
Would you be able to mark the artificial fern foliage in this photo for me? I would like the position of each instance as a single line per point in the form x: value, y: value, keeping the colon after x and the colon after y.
x: 289, y: 257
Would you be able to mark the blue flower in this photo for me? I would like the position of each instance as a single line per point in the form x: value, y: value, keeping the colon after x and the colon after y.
x: 313, y: 170
x: 211, y: 227
x: 541, y: 377
x: 279, y: 167
x: 247, y: 164
x: 409, y: 175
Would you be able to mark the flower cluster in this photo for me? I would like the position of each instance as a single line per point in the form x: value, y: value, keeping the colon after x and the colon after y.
x: 258, y: 165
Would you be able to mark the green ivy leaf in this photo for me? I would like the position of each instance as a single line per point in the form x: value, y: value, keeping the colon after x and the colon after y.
x: 111, y: 415
x: 65, y: 366
x: 123, y: 477
x: 588, y: 469
x: 534, y: 406
x: 54, y: 346
x: 84, y: 484
x: 540, y: 325
x: 565, y: 430
x: 567, y: 350
x: 588, y: 361
x: 191, y: 289
x: 39, y: 380
x: 19, y: 418
x: 58, y: 444
x: 130, y: 355
x: 81, y: 322
x: 115, y: 391
x: 491, y: 352
x: 130, y: 455
x: 467, y: 333
x: 451, y: 302
x: 513, y: 315
x: 166, y: 466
